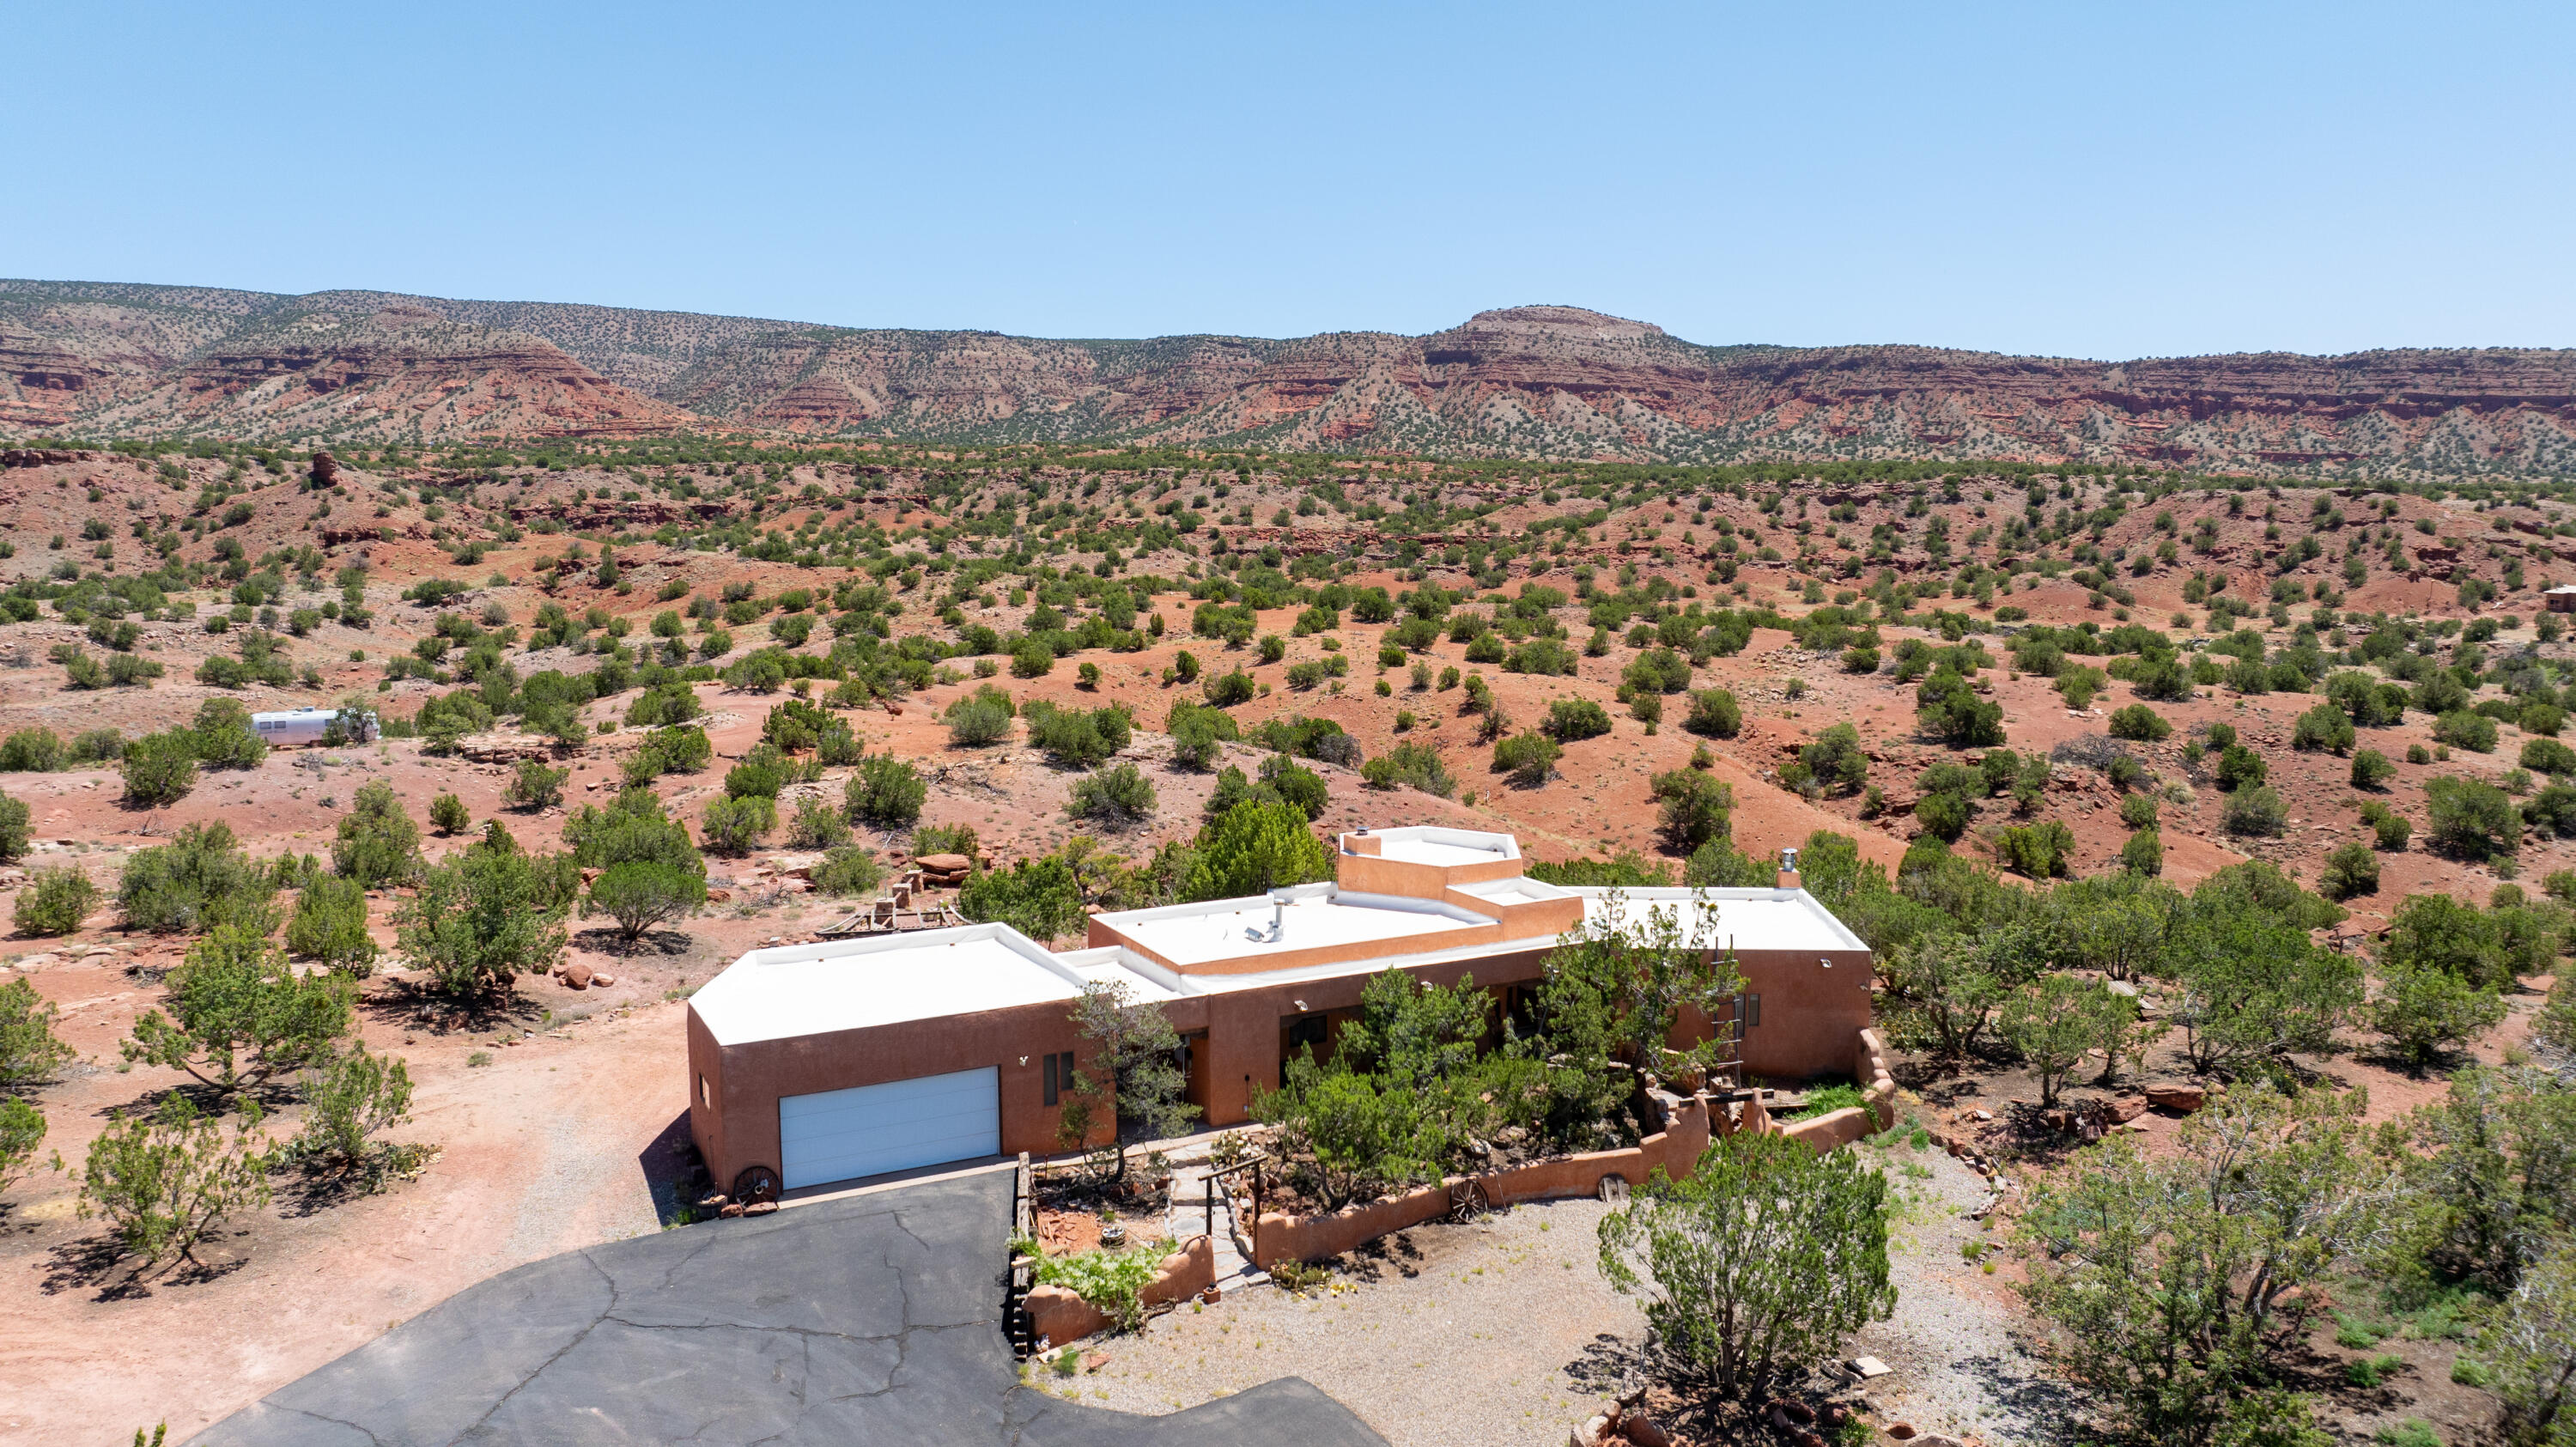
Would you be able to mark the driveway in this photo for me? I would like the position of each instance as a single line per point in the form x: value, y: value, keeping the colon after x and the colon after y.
x: 870, y: 1319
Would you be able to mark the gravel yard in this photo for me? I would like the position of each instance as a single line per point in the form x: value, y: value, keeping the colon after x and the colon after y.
x: 1958, y: 1369
x: 1504, y: 1332
x: 1451, y: 1335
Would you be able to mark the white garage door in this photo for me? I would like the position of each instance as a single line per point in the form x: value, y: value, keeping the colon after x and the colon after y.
x: 862, y: 1131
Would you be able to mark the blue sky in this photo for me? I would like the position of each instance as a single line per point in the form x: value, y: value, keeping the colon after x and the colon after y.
x: 2085, y: 180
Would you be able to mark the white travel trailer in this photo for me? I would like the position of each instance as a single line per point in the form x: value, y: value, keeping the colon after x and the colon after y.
x: 307, y: 725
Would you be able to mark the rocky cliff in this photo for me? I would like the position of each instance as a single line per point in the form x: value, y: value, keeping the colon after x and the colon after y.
x: 106, y: 360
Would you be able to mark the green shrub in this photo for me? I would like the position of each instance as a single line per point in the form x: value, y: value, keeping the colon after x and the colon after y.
x: 1949, y: 709
x: 1571, y: 719
x: 1691, y: 809
x: 223, y: 737
x: 535, y: 785
x: 2470, y: 819
x: 31, y: 751
x: 1078, y: 738
x: 1527, y: 757
x: 734, y: 826
x: 2256, y: 810
x: 1715, y: 713
x: 2472, y: 731
x: 2350, y: 869
x: 99, y: 745
x: 2392, y: 830
x: 330, y: 925
x: 377, y: 844
x: 641, y: 894
x: 1115, y: 798
x: 2322, y: 727
x: 163, y: 1180
x: 1418, y: 765
x: 2371, y: 769
x: 2038, y: 850
x: 16, y: 819
x: 1943, y: 815
x: 2138, y: 811
x: 201, y: 880
x: 2144, y: 853
x: 886, y: 792
x: 2240, y: 767
x: 448, y: 815
x: 1196, y: 732
x: 816, y: 825
x: 981, y: 718
x: 55, y: 901
x: 486, y: 916
x: 348, y: 1100
x: 1225, y: 690
x: 847, y: 871
x: 160, y: 768
x: 2548, y: 756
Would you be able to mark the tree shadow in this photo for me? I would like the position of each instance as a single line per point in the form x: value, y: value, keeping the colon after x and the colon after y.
x: 92, y: 1261
x: 665, y: 943
x: 412, y: 1007
x: 207, y: 1099
x: 1612, y: 1366
x: 1390, y: 1253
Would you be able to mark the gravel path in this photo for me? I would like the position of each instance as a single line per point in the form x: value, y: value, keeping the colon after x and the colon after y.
x: 1504, y: 1332
x: 1455, y: 1335
x: 1958, y: 1370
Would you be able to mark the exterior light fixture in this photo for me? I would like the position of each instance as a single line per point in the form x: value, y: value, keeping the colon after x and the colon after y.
x: 1828, y: 964
x: 1300, y: 1004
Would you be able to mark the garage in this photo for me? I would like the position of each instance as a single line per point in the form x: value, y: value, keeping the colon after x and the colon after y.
x: 838, y: 1135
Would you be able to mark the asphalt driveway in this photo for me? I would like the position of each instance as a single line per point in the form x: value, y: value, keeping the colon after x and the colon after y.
x: 870, y: 1319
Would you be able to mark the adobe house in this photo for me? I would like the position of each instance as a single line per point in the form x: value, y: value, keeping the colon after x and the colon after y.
x: 830, y: 1061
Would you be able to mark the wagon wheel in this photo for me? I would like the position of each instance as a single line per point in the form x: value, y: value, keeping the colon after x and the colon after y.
x: 1468, y: 1199
x: 755, y: 1185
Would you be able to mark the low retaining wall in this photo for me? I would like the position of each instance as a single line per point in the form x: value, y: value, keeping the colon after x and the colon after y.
x: 1059, y: 1315
x: 1676, y: 1149
x: 1839, y: 1128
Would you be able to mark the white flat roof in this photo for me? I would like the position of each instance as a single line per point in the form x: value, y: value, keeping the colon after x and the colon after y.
x: 1435, y: 845
x: 1741, y: 919
x: 1315, y: 917
x: 814, y: 989
x: 834, y: 985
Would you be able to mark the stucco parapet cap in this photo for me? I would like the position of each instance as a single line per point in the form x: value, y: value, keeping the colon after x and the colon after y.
x: 1747, y: 918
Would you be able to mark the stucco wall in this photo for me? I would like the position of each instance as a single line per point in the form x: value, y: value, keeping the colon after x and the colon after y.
x: 1809, y: 1018
x: 1674, y: 1149
x: 1809, y: 1012
x: 745, y: 1082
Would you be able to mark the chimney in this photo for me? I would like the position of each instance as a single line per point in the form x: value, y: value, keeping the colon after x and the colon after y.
x: 1789, y: 870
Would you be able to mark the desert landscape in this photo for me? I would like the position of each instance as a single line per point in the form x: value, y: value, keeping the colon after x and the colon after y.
x: 524, y: 555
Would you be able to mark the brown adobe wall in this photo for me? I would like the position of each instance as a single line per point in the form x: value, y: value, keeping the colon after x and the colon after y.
x: 1674, y: 1150
x: 1809, y: 1013
x: 1061, y: 1316
x: 739, y: 1126
x: 1373, y: 873
x: 1842, y: 1127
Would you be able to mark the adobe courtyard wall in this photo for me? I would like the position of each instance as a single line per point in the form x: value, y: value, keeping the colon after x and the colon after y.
x: 1060, y: 1315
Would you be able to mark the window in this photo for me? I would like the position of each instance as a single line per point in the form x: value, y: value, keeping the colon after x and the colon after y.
x: 1058, y: 1075
x: 1752, y: 1011
x: 702, y: 1090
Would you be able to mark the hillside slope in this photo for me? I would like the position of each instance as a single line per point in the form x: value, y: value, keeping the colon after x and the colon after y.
x: 111, y: 360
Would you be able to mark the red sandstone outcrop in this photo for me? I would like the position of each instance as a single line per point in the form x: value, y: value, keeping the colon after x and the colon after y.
x: 125, y: 360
